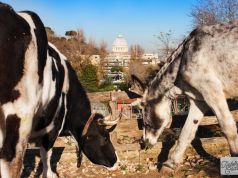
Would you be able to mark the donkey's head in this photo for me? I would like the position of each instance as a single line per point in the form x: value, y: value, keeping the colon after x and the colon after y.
x: 157, y: 116
x: 157, y: 112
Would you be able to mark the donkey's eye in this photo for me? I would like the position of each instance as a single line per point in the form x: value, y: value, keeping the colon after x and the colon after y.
x: 147, y: 126
x: 142, y: 104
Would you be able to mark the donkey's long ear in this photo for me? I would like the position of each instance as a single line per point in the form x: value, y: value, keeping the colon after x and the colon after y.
x: 137, y: 86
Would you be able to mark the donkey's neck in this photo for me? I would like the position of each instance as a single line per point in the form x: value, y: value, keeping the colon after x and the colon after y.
x: 166, y: 77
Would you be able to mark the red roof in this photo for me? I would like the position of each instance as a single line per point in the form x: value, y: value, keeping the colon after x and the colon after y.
x: 125, y: 101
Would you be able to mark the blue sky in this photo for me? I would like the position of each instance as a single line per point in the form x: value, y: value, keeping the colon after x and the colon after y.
x: 137, y: 20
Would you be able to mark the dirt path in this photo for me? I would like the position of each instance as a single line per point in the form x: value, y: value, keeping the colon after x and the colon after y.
x: 133, y: 164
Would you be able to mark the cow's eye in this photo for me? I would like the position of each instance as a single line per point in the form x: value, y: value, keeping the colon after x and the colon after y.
x: 88, y: 137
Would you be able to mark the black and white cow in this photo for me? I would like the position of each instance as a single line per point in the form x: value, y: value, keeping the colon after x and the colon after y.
x: 40, y: 96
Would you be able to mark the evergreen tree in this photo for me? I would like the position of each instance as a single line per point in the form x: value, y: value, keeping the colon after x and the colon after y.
x: 88, y: 77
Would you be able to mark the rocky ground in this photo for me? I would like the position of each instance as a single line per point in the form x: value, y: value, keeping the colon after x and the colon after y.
x: 133, y: 163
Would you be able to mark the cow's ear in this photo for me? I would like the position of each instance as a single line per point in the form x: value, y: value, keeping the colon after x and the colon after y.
x: 137, y: 86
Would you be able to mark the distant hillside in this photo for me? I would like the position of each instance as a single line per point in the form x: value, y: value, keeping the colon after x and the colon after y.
x: 74, y: 45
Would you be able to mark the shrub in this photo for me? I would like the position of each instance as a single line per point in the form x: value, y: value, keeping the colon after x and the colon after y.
x: 106, y: 87
x: 123, y: 86
x: 88, y: 77
x: 117, y: 69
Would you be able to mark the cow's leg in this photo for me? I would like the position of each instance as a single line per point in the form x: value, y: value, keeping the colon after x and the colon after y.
x: 45, y: 157
x: 78, y: 148
x: 14, y: 145
x: 2, y: 131
x: 47, y: 142
x: 196, y: 113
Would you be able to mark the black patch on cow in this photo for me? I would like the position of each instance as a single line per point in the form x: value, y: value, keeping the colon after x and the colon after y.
x: 78, y: 105
x: 8, y: 151
x: 56, y: 56
x: 54, y: 70
x: 15, y: 37
x: 49, y: 139
x: 51, y: 109
x: 5, y: 6
x: 42, y: 43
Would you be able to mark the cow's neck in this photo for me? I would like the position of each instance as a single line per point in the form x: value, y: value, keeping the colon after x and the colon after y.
x: 79, y: 109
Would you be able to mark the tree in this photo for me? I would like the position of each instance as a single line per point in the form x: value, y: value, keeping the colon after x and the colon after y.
x: 81, y: 37
x: 103, y: 49
x: 136, y: 52
x: 209, y: 12
x: 50, y: 33
x: 88, y: 77
x: 117, y: 69
x: 167, y: 44
x: 71, y: 33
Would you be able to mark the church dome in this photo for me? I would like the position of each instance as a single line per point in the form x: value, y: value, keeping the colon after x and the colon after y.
x: 120, y: 45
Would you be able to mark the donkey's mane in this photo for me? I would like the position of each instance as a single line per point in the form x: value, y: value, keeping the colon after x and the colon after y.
x: 164, y: 79
x: 155, y: 76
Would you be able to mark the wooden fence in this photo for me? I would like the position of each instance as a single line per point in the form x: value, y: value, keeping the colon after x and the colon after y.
x: 128, y: 133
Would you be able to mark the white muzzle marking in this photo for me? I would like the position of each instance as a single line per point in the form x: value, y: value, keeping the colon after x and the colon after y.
x: 115, y: 166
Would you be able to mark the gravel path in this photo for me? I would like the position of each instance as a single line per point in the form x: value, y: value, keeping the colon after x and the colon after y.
x: 133, y: 164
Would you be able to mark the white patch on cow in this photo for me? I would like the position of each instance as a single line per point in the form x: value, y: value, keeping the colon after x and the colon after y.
x: 5, y: 172
x: 65, y: 113
x: 51, y: 126
x: 54, y: 61
x: 62, y: 57
x: 48, y: 84
x: 62, y: 60
x: 49, y: 92
x: 26, y: 106
x: 45, y: 157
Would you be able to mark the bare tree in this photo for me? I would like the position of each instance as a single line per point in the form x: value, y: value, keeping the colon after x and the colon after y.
x: 103, y: 54
x: 103, y: 49
x: 209, y: 12
x: 136, y: 52
x: 81, y: 37
x: 166, y: 43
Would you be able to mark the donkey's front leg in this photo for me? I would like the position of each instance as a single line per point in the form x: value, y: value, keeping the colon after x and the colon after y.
x: 195, y: 115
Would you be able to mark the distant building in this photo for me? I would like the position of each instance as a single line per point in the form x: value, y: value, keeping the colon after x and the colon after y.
x: 119, y: 46
x: 119, y: 55
x: 150, y: 58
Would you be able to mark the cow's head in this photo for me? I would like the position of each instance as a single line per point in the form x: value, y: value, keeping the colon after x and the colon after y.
x: 95, y: 141
x: 156, y: 112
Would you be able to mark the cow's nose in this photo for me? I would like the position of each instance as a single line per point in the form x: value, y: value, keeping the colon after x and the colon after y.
x: 116, y: 165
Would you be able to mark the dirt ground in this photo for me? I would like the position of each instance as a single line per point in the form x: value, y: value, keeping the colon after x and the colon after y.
x: 134, y: 164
